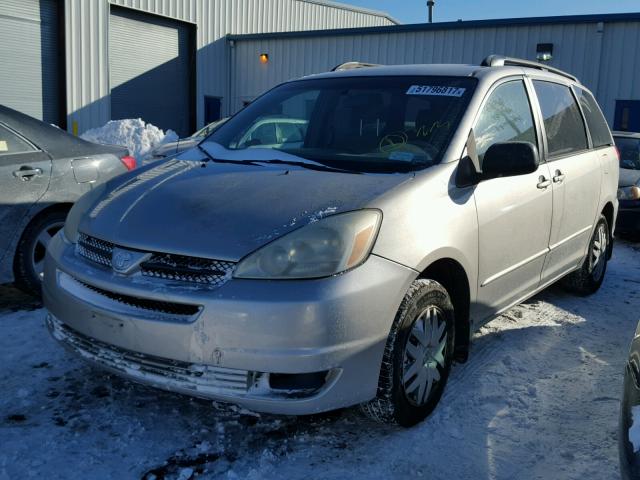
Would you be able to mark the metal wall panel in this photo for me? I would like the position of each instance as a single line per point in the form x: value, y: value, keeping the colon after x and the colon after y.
x: 619, y: 72
x: 87, y: 68
x: 29, y: 52
x: 605, y: 57
x: 87, y: 25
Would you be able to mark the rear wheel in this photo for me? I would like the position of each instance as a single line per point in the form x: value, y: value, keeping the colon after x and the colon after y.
x: 29, y: 260
x: 417, y: 358
x: 589, y: 277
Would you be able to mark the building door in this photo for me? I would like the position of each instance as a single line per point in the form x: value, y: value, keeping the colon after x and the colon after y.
x: 151, y: 61
x: 29, y: 51
x: 627, y: 117
x: 212, y: 109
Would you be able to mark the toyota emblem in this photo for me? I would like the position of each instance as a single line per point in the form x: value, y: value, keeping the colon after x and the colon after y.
x: 121, y: 261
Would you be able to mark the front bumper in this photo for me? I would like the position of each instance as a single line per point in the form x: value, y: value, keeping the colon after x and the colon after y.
x: 238, y: 339
x: 628, y: 220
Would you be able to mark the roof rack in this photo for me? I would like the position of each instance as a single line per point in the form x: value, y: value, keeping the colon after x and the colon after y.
x: 500, y: 61
x: 353, y: 66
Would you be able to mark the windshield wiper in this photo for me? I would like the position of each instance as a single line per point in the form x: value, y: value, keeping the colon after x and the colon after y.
x: 307, y: 165
x: 310, y: 166
x: 211, y: 158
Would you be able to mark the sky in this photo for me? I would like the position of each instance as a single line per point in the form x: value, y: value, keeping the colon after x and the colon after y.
x: 415, y: 11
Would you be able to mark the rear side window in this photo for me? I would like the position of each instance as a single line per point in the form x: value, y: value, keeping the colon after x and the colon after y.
x: 564, y: 128
x: 11, y: 143
x: 506, y: 117
x: 598, y: 128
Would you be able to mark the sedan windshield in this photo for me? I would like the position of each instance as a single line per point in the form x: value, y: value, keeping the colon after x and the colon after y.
x: 629, y: 149
x: 356, y: 123
x: 209, y: 129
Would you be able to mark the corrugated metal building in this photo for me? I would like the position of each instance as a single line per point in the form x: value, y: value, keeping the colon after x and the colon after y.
x: 80, y: 63
x: 181, y: 63
x: 603, y: 51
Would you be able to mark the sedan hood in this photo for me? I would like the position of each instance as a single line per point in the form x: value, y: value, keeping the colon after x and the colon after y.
x: 629, y: 177
x: 224, y: 210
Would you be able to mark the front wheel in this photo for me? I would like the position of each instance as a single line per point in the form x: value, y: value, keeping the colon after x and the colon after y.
x: 417, y: 357
x: 29, y: 260
x: 589, y: 277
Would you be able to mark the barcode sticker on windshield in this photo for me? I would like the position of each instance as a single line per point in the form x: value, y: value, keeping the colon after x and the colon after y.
x: 440, y: 91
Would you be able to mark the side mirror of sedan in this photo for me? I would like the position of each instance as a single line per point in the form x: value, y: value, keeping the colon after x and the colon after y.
x: 508, y: 159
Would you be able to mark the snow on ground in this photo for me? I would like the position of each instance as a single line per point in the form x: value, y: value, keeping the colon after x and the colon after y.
x: 538, y: 399
x: 139, y: 137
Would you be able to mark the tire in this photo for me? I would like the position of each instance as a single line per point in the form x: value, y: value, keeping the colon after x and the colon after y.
x: 400, y: 399
x: 587, y: 280
x: 28, y: 262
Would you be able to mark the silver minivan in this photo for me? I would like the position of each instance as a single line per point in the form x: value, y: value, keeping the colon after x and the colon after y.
x: 349, y: 262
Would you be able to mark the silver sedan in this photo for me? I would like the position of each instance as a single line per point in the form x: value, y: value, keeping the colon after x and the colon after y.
x: 43, y: 170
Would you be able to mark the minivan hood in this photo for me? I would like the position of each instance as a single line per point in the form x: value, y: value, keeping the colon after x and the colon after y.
x: 628, y: 177
x: 223, y: 211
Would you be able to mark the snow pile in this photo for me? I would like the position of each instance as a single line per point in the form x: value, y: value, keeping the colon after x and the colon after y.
x: 139, y: 137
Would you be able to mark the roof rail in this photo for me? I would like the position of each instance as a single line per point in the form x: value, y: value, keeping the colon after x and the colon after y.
x: 500, y: 61
x: 353, y: 66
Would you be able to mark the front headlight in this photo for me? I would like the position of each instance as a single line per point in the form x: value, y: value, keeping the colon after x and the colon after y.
x: 629, y: 193
x: 320, y: 249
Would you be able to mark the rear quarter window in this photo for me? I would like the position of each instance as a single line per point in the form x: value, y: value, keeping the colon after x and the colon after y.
x: 563, y: 124
x: 598, y: 127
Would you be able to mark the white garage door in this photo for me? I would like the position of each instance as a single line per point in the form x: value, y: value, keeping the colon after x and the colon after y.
x: 29, y: 57
x: 149, y: 60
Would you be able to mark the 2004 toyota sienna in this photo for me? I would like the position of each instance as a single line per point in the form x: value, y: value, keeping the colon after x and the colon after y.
x: 349, y: 259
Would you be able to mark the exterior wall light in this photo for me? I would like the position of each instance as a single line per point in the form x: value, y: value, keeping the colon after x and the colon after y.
x: 544, y: 52
x: 264, y: 58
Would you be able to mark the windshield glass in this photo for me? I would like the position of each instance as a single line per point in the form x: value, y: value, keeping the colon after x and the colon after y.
x: 356, y: 123
x: 629, y: 149
x: 208, y: 129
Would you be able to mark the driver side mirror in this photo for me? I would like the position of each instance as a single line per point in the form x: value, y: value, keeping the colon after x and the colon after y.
x: 503, y: 159
x: 508, y: 159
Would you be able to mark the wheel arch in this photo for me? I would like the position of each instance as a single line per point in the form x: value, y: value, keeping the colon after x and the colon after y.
x: 452, y: 276
x: 34, y: 217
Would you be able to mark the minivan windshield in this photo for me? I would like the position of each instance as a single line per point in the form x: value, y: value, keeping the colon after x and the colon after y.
x: 355, y: 123
x: 629, y: 149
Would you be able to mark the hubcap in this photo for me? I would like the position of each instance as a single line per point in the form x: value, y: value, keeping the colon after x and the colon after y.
x: 599, y: 252
x: 424, y: 355
x: 40, y: 247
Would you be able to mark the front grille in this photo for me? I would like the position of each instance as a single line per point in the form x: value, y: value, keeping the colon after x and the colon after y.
x: 170, y: 308
x: 94, y: 249
x: 161, y: 265
x: 188, y: 269
x: 199, y: 378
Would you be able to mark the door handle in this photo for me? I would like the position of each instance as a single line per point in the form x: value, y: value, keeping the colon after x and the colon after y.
x: 27, y: 173
x: 558, y: 177
x: 543, y: 182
